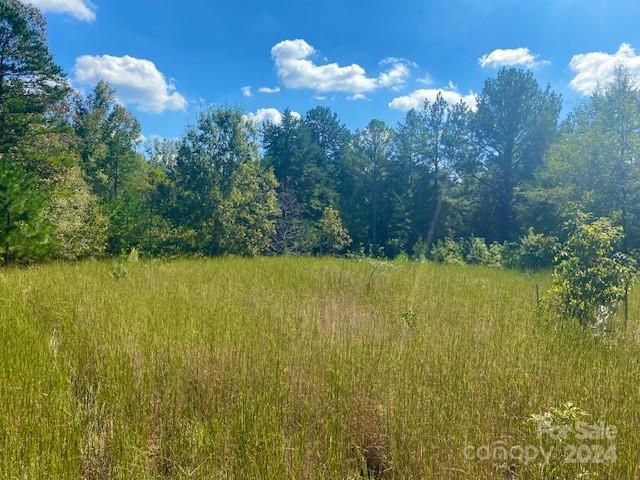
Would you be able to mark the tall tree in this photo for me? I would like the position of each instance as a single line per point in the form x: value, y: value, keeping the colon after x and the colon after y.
x: 446, y: 143
x: 406, y: 183
x: 593, y: 166
x: 515, y: 122
x: 310, y: 158
x: 108, y: 135
x: 31, y: 84
x: 108, y: 141
x: 373, y: 151
x: 217, y: 195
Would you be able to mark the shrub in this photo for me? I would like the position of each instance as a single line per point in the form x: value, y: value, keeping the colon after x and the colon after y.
x: 402, y: 257
x: 333, y: 237
x: 536, y: 251
x: 448, y: 251
x: 419, y: 249
x: 510, y: 254
x: 495, y: 256
x: 477, y: 252
x: 592, y: 274
x: 118, y: 270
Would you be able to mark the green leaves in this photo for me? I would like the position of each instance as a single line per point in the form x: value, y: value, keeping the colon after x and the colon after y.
x: 332, y: 236
x: 24, y: 236
x: 513, y: 128
x: 31, y: 85
x: 248, y: 213
x: 590, y: 279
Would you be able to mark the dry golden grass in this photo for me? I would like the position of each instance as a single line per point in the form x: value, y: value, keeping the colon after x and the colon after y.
x: 281, y: 368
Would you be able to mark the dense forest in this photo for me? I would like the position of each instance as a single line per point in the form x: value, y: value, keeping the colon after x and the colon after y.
x: 77, y: 181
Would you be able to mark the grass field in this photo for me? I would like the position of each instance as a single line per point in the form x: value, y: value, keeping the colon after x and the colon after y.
x: 281, y: 368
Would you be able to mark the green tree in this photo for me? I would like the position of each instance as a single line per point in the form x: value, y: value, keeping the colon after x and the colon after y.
x: 405, y: 185
x: 31, y: 84
x: 108, y: 141
x: 308, y: 157
x: 592, y: 274
x: 333, y: 238
x: 446, y: 143
x: 23, y: 235
x: 513, y: 127
x: 79, y: 225
x: 204, y: 183
x: 289, y: 236
x: 593, y: 166
x: 369, y: 207
x: 108, y: 135
x: 249, y: 211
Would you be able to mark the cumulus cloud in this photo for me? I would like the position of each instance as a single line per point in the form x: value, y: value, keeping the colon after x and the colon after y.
x: 357, y: 96
x: 80, y: 9
x: 417, y: 98
x: 399, y: 70
x: 510, y: 57
x: 595, y: 69
x: 296, y: 69
x: 137, y: 82
x: 269, y: 90
x: 268, y: 115
x: 246, y: 91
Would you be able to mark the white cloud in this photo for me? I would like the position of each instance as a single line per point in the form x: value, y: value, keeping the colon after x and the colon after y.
x: 425, y: 80
x: 269, y: 90
x: 296, y: 70
x: 268, y: 115
x: 417, y: 98
x: 595, y: 69
x: 137, y: 82
x: 357, y: 96
x: 510, y: 57
x: 80, y: 9
x: 246, y: 91
x: 397, y: 74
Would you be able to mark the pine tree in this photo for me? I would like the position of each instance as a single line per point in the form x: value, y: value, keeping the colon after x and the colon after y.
x: 31, y: 84
x: 23, y: 235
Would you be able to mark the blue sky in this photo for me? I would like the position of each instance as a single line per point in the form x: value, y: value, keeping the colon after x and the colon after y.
x: 365, y: 60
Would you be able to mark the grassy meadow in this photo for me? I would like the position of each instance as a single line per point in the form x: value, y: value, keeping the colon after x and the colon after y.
x: 295, y: 368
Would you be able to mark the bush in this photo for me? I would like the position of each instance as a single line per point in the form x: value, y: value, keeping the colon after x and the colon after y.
x: 333, y: 237
x: 592, y: 275
x: 477, y: 252
x: 495, y: 255
x: 448, y: 251
x: 537, y: 251
x: 534, y: 251
x: 510, y: 255
x: 402, y: 257
x: 419, y: 249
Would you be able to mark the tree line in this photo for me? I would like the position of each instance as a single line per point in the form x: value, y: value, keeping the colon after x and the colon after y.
x: 449, y: 181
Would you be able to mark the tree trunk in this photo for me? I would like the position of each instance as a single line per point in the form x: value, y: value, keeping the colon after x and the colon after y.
x: 434, y: 224
x: 438, y: 210
x: 374, y: 217
x: 505, y: 215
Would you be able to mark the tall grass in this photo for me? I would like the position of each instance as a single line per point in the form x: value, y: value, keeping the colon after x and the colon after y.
x: 282, y: 368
